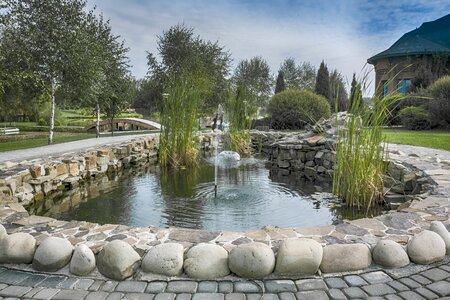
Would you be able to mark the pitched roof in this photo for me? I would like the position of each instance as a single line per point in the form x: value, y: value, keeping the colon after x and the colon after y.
x: 430, y: 37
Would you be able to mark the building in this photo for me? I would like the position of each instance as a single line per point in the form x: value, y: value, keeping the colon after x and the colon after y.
x: 420, y: 49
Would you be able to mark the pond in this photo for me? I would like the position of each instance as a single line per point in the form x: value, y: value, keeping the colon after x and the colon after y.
x: 250, y: 195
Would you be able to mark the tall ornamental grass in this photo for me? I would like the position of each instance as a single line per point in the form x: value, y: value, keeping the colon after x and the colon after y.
x: 179, y: 120
x: 361, y: 152
x: 239, y: 109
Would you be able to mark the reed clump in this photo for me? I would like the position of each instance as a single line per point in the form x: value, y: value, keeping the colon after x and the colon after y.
x: 179, y: 142
x: 361, y: 152
x: 239, y: 111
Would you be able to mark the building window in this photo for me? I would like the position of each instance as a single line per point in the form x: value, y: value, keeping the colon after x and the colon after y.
x: 385, y: 88
x: 403, y: 85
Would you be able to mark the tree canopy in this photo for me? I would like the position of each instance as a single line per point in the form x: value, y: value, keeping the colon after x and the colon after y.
x: 301, y: 76
x: 181, y: 50
x: 63, y: 49
x: 255, y: 75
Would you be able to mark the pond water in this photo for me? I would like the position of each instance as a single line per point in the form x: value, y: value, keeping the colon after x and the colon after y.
x: 250, y: 195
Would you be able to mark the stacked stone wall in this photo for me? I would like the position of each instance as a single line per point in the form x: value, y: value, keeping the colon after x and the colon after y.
x: 34, y: 180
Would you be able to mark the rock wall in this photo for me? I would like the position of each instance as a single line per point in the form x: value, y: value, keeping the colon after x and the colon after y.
x: 312, y: 156
x: 308, y: 154
x: 34, y: 180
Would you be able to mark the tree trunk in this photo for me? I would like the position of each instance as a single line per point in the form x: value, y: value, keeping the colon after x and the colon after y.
x: 112, y: 126
x: 97, y: 124
x: 52, y: 114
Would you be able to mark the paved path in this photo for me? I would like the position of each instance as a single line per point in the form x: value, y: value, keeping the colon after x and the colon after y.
x: 412, y: 282
x: 58, y: 149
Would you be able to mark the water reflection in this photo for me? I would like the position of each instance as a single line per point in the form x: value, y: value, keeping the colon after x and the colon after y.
x: 250, y: 195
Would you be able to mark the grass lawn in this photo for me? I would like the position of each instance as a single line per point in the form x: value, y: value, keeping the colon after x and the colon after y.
x: 428, y: 138
x: 59, y: 137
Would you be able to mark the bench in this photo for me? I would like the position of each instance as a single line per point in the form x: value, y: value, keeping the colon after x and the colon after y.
x: 9, y: 130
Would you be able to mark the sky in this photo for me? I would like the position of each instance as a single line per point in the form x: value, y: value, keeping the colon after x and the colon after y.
x: 343, y: 33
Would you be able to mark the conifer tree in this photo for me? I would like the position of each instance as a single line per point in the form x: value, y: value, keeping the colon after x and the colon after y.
x: 280, y: 85
x: 323, y: 81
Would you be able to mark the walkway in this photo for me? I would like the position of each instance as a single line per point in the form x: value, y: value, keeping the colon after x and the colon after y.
x: 413, y: 282
x: 59, y: 149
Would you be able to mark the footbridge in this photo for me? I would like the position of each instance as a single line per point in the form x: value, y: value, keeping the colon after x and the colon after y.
x: 126, y: 124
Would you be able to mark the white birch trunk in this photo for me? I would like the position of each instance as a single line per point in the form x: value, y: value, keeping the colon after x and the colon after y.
x: 52, y: 114
x: 97, y: 124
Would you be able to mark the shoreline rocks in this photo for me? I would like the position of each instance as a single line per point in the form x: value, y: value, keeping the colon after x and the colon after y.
x: 52, y: 254
x: 118, y: 260
x: 426, y: 247
x: 253, y: 260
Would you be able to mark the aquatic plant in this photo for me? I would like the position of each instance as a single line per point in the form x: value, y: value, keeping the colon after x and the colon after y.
x: 239, y: 109
x: 179, y: 119
x: 361, y: 151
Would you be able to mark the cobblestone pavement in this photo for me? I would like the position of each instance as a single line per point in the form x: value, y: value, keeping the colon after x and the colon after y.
x: 59, y: 149
x: 412, y: 282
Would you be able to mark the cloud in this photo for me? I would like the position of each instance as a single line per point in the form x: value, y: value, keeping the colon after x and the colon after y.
x: 343, y: 33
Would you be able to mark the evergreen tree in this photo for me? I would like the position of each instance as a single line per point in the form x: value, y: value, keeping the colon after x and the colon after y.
x: 323, y: 81
x: 355, y: 93
x: 337, y: 91
x: 280, y: 86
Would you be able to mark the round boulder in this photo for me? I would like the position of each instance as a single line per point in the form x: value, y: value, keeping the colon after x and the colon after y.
x: 206, y: 261
x: 165, y: 259
x: 299, y: 257
x: 390, y: 254
x: 252, y: 260
x: 83, y: 260
x: 52, y: 254
x: 440, y: 229
x: 345, y: 257
x: 426, y: 247
x: 118, y: 260
x: 3, y: 232
x: 17, y: 248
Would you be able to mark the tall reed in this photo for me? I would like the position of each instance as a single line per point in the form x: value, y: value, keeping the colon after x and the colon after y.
x: 239, y: 111
x: 179, y: 119
x: 361, y: 151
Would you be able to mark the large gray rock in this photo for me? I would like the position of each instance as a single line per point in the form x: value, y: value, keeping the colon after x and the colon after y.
x: 426, y: 247
x: 52, y: 254
x: 206, y: 261
x: 17, y: 248
x: 165, y: 259
x: 3, y: 232
x: 301, y: 256
x: 390, y: 254
x: 345, y: 257
x: 83, y: 260
x: 118, y: 260
x: 440, y: 229
x: 252, y: 260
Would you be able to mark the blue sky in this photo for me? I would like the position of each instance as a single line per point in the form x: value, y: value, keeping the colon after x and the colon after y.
x: 343, y: 33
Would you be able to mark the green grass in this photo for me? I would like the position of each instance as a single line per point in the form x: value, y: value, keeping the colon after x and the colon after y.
x: 429, y: 138
x: 58, y: 138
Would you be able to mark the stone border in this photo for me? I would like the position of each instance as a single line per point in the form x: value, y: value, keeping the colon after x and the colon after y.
x: 255, y: 249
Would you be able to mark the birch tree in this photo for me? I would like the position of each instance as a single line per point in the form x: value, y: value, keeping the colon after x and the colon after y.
x: 46, y: 39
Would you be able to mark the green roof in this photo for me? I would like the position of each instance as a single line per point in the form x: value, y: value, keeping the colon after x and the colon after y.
x: 430, y: 37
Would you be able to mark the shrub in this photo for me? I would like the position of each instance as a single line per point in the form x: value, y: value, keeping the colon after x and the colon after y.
x: 439, y: 106
x: 415, y: 118
x: 293, y: 109
x: 42, y: 122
